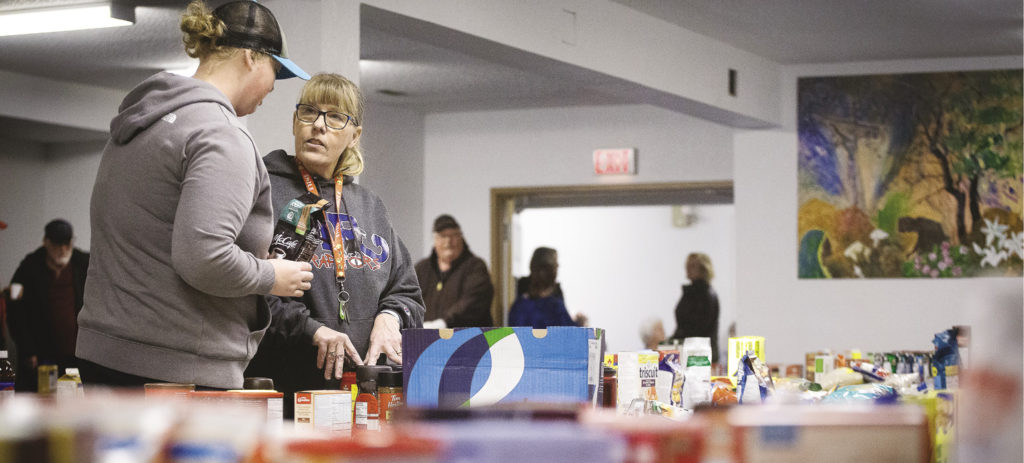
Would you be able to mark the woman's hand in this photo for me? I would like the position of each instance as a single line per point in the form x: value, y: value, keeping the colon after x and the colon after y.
x: 332, y: 347
x: 291, y: 279
x: 385, y: 337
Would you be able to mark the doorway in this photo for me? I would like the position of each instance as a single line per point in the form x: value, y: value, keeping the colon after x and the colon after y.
x: 621, y: 248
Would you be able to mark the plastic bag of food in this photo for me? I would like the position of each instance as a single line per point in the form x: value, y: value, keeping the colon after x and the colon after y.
x: 861, y: 392
x: 696, y: 359
x: 753, y: 379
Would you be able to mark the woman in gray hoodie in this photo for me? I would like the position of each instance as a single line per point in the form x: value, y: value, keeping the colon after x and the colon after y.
x: 360, y: 259
x: 181, y: 215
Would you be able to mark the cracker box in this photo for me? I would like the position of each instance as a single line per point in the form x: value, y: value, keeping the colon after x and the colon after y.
x: 637, y: 378
x: 324, y: 410
x: 472, y: 367
x: 739, y: 346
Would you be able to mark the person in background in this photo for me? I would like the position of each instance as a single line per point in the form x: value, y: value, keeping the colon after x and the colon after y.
x: 652, y: 333
x: 181, y: 215
x: 455, y: 283
x: 361, y: 260
x: 46, y: 295
x: 540, y: 303
x: 697, y: 310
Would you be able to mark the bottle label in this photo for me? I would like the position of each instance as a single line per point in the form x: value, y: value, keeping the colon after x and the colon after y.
x: 4, y: 386
x: 361, y: 409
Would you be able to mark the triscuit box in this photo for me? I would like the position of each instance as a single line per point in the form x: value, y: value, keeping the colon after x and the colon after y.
x: 637, y: 378
x: 324, y: 410
x: 471, y: 367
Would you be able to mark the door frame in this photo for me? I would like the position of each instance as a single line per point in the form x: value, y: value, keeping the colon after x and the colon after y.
x: 506, y: 202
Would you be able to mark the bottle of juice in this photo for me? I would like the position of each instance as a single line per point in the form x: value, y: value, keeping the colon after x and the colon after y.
x: 47, y: 384
x: 7, y: 377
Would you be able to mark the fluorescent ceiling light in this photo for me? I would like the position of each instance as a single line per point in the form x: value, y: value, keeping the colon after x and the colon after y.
x: 65, y: 18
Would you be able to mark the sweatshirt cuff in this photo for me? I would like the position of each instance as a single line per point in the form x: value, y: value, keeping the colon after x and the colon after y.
x: 310, y: 329
x: 266, y: 284
x: 394, y: 313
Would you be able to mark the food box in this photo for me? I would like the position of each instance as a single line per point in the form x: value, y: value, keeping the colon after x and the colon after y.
x: 832, y: 433
x: 324, y: 410
x: 472, y: 367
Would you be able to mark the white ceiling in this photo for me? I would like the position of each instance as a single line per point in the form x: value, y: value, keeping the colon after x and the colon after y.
x: 441, y: 70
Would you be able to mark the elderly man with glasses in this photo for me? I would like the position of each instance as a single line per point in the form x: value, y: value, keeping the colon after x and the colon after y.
x: 455, y: 283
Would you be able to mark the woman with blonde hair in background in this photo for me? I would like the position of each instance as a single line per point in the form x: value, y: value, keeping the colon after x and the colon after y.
x: 697, y: 310
x: 181, y: 215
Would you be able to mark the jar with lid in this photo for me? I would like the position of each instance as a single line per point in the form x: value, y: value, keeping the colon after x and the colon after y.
x: 366, y: 416
x: 389, y: 392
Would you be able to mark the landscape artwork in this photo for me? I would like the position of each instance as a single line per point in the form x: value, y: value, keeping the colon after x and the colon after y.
x: 910, y: 175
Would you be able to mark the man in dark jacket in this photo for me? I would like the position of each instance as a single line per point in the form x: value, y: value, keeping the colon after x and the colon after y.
x: 455, y: 283
x: 46, y: 296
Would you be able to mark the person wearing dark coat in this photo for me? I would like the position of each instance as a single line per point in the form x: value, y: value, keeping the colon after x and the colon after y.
x: 697, y: 310
x: 456, y: 285
x: 46, y: 295
x: 540, y: 302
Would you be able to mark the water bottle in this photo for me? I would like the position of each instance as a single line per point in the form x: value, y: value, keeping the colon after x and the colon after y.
x: 6, y: 377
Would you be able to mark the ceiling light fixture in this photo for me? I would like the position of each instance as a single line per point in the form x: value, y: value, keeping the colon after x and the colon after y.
x: 66, y: 18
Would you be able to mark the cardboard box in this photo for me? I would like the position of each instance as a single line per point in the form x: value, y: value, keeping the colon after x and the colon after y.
x: 324, y: 410
x: 637, y: 378
x: 472, y: 367
x: 739, y: 346
x: 832, y: 433
x: 269, y: 403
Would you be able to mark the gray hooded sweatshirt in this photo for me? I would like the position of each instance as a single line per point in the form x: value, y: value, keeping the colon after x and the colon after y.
x: 181, y: 222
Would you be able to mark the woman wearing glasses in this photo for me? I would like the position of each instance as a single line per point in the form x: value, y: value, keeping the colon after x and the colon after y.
x: 364, y: 287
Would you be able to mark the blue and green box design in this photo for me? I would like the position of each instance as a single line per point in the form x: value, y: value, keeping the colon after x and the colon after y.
x: 472, y: 367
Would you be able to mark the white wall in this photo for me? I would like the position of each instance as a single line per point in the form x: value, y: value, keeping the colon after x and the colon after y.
x: 797, y: 316
x: 623, y: 265
x: 469, y: 153
x: 392, y: 143
x: 39, y: 183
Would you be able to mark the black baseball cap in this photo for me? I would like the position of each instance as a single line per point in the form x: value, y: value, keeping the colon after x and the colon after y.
x: 444, y: 222
x: 251, y: 25
x: 58, y: 231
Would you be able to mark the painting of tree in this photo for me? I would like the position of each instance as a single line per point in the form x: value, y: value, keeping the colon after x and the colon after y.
x: 910, y: 175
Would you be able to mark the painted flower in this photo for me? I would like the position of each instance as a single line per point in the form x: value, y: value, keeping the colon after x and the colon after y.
x: 926, y: 269
x: 943, y: 265
x: 1014, y: 244
x: 854, y: 250
x: 932, y: 257
x: 992, y: 230
x: 957, y: 271
x: 935, y: 273
x: 877, y: 235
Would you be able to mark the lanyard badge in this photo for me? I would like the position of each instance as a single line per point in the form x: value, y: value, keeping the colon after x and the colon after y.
x: 334, y: 235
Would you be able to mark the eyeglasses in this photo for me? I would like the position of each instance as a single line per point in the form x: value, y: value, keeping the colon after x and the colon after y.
x: 335, y: 120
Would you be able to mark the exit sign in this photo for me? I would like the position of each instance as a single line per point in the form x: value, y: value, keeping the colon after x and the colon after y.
x: 615, y: 161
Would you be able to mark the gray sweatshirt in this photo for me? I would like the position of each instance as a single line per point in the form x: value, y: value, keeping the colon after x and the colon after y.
x: 181, y: 220
x: 379, y: 276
